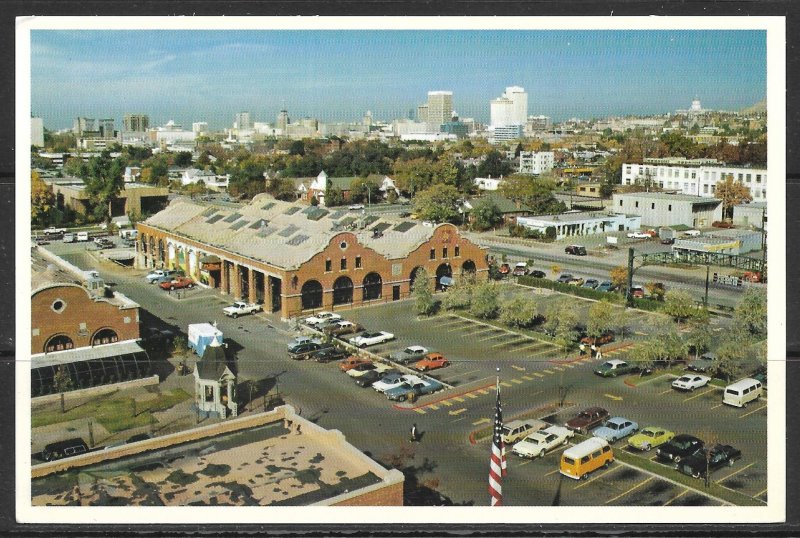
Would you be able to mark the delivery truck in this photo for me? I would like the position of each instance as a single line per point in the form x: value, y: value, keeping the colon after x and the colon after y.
x: 200, y: 335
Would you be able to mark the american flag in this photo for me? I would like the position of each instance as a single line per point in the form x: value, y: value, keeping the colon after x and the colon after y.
x: 497, y: 462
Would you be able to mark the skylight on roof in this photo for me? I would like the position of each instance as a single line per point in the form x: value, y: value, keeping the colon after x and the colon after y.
x: 291, y: 210
x: 382, y: 226
x: 214, y: 219
x: 296, y: 240
x: 208, y: 211
x: 266, y: 232
x: 257, y: 224
x: 404, y: 226
x: 238, y: 225
x: 288, y: 231
x: 233, y: 217
x: 268, y: 205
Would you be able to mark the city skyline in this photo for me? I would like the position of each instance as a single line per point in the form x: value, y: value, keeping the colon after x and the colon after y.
x: 337, y: 76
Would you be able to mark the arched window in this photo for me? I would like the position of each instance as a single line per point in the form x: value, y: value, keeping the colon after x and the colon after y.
x: 59, y: 342
x: 161, y: 257
x: 444, y: 270
x: 373, y: 284
x: 104, y: 336
x: 342, y: 291
x: 468, y: 267
x: 311, y: 295
x: 143, y: 243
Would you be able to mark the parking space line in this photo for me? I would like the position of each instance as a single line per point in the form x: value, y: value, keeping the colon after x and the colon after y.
x: 433, y: 406
x: 492, y: 337
x: 470, y: 372
x: 557, y: 368
x: 676, y: 497
x: 471, y: 395
x: 419, y: 410
x: 569, y: 365
x: 718, y: 405
x: 664, y: 392
x: 504, y: 384
x: 699, y: 394
x: 484, y: 391
x: 517, y: 381
x: 640, y: 484
x: 509, y: 343
x: 554, y: 471
x: 537, y: 374
x: 458, y: 399
x: 760, y: 493
x: 448, y: 403
x: 753, y: 411
x: 596, y: 477
x: 527, y: 378
x: 736, y: 472
x: 547, y: 371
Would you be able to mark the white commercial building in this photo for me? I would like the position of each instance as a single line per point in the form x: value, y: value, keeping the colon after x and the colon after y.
x: 505, y: 133
x: 700, y: 181
x: 580, y: 223
x: 536, y: 162
x: 511, y: 108
x: 488, y: 183
x: 37, y: 132
x: 664, y: 209
x: 200, y: 127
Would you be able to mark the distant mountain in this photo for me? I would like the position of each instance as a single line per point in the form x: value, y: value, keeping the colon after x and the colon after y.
x: 757, y: 108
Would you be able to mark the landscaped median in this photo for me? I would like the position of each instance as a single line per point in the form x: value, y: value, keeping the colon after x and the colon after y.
x: 588, y: 293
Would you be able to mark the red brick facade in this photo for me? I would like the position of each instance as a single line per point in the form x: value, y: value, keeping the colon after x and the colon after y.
x: 345, y: 273
x: 65, y: 315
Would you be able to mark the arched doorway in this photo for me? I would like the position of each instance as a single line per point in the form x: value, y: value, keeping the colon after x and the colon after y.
x: 342, y: 291
x: 104, y: 336
x: 59, y: 342
x: 444, y: 270
x: 468, y: 267
x: 143, y: 243
x: 311, y: 295
x: 161, y: 253
x: 373, y: 285
x: 413, y: 276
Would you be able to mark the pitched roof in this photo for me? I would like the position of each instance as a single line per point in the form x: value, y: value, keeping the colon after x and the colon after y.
x: 213, y: 363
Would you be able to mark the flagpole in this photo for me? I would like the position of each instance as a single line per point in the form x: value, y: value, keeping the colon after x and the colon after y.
x: 497, y: 460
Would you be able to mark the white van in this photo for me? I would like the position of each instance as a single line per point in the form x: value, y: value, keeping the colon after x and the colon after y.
x: 128, y: 234
x: 69, y: 238
x: 743, y: 391
x: 82, y: 236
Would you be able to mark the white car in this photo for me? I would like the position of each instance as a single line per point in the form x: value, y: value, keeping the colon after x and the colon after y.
x: 152, y: 276
x: 319, y: 317
x: 690, y: 382
x: 391, y: 381
x: 538, y: 443
x: 353, y: 207
x: 371, y: 339
x: 362, y: 369
x: 639, y: 235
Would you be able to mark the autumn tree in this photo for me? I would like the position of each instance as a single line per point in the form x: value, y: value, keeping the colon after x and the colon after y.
x: 42, y: 200
x: 619, y: 276
x: 438, y: 203
x: 731, y: 193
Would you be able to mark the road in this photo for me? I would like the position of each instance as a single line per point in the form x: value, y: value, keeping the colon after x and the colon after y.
x: 445, y: 457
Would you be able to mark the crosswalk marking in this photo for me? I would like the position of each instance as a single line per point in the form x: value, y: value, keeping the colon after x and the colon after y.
x: 432, y: 406
x: 420, y: 411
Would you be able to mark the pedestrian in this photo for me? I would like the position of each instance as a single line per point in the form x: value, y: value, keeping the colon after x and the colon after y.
x: 414, y: 433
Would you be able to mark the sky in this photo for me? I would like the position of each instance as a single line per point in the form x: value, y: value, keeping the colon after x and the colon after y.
x: 198, y: 75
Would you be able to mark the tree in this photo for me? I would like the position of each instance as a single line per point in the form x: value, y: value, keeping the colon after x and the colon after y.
x: 485, y: 214
x: 364, y: 189
x: 561, y: 323
x: 459, y: 296
x: 619, y: 276
x: 645, y: 355
x: 655, y: 290
x: 183, y: 159
x: 679, y: 305
x: 494, y: 165
x: 519, y: 312
x: 699, y: 338
x: 42, y: 200
x: 732, y: 355
x: 622, y: 319
x: 601, y: 318
x: 333, y: 197
x: 62, y: 382
x: 731, y: 193
x: 485, y: 303
x: 555, y: 269
x: 438, y: 203
x: 751, y: 313
x: 423, y: 296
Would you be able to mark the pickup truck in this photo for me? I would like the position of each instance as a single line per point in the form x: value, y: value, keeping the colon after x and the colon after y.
x: 240, y: 308
x: 54, y: 231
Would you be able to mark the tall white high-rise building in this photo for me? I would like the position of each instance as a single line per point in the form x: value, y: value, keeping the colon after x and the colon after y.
x: 200, y: 127
x: 242, y: 121
x: 440, y: 109
x: 511, y: 108
x: 37, y: 132
x: 283, y: 120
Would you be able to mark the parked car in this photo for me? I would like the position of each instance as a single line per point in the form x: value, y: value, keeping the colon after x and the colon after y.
x: 690, y: 382
x: 178, y: 283
x: 517, y: 430
x: 371, y: 338
x: 303, y: 339
x: 329, y: 354
x: 155, y: 336
x: 591, y: 283
x: 575, y: 250
x: 577, y: 281
x: 505, y: 269
x: 361, y: 369
x: 352, y: 362
x: 431, y: 361
x: 638, y: 235
x: 404, y: 214
x: 520, y: 269
x: 138, y: 437
x: 303, y: 351
x: 535, y: 273
x: 536, y: 444
x: 565, y: 278
x: 587, y: 419
x: 68, y: 238
x: 368, y: 378
x: 319, y: 317
x: 64, y: 449
x: 155, y: 274
x: 54, y: 231
x: 342, y: 326
x: 605, y: 286
x: 613, y: 368
x: 692, y: 233
x: 406, y: 391
x: 354, y: 207
x: 718, y: 456
x: 615, y: 429
x: 705, y: 363
x: 390, y: 381
x: 668, y: 241
x: 679, y: 447
x: 649, y: 437
x: 409, y: 354
x: 637, y: 291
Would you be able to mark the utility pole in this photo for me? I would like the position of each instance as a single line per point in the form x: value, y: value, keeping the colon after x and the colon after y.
x: 628, y: 298
x: 705, y: 299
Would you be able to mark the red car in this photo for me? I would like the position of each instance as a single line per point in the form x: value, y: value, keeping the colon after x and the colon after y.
x: 177, y: 283
x: 431, y: 361
x: 352, y: 362
x: 600, y: 340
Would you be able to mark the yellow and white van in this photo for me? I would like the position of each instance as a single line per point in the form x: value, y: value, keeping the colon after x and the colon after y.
x: 743, y: 391
x: 580, y: 460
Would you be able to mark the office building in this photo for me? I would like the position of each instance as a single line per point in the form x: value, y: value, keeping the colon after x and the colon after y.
x: 283, y: 120
x: 106, y: 127
x: 581, y: 223
x: 538, y: 123
x: 199, y: 127
x: 440, y: 109
x: 85, y: 127
x: 136, y: 123
x: 37, y: 132
x: 511, y: 108
x: 422, y: 113
x: 697, y: 180
x: 242, y: 121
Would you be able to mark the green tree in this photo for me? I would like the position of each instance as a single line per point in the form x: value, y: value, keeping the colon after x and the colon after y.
x: 62, y: 382
x: 751, y: 313
x: 183, y: 159
x: 519, y: 312
x: 485, y: 301
x: 459, y: 296
x: 424, y: 303
x: 333, y: 197
x: 645, y: 355
x: 601, y: 318
x: 438, y: 203
x: 494, y: 165
x: 732, y: 357
x: 699, y: 338
x: 679, y: 305
x: 731, y: 193
x: 364, y: 189
x: 485, y: 214
x: 561, y: 322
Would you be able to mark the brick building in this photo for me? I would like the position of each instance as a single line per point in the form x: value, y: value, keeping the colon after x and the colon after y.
x: 297, y: 258
x: 80, y: 325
